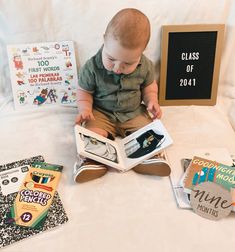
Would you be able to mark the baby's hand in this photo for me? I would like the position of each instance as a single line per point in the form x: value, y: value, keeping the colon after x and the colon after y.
x: 83, y: 116
x: 154, y: 109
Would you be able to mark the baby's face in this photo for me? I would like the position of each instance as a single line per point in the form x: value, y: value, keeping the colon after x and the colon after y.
x: 119, y: 59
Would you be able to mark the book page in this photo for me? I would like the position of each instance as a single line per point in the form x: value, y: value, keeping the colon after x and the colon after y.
x: 144, y: 143
x: 99, y: 148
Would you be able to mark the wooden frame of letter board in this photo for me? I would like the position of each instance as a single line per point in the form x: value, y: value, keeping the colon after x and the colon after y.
x: 219, y: 28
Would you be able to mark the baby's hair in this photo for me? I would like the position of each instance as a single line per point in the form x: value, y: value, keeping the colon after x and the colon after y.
x: 130, y: 27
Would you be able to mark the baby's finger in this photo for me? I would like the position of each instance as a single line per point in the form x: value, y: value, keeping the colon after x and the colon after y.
x: 78, y: 119
x: 91, y: 117
x: 159, y: 114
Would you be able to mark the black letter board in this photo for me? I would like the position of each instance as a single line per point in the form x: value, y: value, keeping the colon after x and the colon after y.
x: 190, y: 62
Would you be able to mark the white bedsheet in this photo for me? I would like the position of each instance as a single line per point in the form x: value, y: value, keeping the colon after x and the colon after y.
x: 120, y: 212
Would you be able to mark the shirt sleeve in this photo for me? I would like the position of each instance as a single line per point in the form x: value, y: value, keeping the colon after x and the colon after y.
x: 149, y: 68
x: 86, y: 79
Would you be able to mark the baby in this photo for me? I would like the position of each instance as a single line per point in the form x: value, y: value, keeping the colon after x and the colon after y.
x: 117, y: 89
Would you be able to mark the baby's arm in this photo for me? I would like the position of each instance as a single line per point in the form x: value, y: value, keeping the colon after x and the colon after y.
x: 84, y: 102
x: 149, y: 96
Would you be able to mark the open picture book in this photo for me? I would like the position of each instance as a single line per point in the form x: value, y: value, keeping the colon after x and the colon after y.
x: 123, y: 153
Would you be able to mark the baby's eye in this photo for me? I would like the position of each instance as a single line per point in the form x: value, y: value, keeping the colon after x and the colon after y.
x: 128, y: 64
x: 111, y: 59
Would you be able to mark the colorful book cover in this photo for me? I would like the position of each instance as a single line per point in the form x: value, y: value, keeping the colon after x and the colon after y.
x: 202, y: 170
x: 35, y: 195
x: 197, y: 172
x: 11, y: 177
x: 43, y: 74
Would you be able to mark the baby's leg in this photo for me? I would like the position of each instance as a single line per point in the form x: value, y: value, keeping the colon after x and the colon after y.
x: 86, y: 169
x: 134, y: 124
x: 101, y: 125
x: 155, y: 165
x: 99, y: 131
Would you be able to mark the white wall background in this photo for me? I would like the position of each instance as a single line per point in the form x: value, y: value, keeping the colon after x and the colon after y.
x: 84, y: 22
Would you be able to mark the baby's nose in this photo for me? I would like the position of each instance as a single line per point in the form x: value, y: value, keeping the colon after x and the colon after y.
x: 118, y: 67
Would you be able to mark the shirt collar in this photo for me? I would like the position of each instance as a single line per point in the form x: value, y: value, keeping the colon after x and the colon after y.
x: 98, y: 58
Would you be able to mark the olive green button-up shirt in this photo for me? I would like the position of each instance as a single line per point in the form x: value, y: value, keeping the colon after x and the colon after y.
x: 116, y: 95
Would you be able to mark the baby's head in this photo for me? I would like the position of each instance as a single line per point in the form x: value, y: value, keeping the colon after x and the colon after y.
x: 125, y: 39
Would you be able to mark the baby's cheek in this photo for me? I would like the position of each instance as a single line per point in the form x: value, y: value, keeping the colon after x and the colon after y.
x: 108, y: 66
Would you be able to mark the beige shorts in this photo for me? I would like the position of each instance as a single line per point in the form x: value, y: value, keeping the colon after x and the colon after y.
x: 102, y: 121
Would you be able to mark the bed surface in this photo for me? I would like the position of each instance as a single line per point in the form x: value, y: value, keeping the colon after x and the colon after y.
x: 120, y: 211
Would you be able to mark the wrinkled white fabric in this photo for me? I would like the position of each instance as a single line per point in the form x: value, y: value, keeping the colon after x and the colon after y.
x: 121, y: 211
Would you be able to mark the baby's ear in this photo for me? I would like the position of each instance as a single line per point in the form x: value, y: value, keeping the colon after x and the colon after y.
x: 105, y: 36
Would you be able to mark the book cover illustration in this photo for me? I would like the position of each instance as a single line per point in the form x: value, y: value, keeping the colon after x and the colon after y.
x: 35, y: 195
x: 123, y: 153
x: 43, y: 74
x: 221, y: 155
x: 203, y: 170
x: 10, y: 174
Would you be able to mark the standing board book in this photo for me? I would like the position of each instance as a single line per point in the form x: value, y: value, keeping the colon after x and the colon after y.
x: 11, y: 177
x: 43, y: 74
x: 123, y: 153
x: 181, y: 165
x: 202, y: 170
